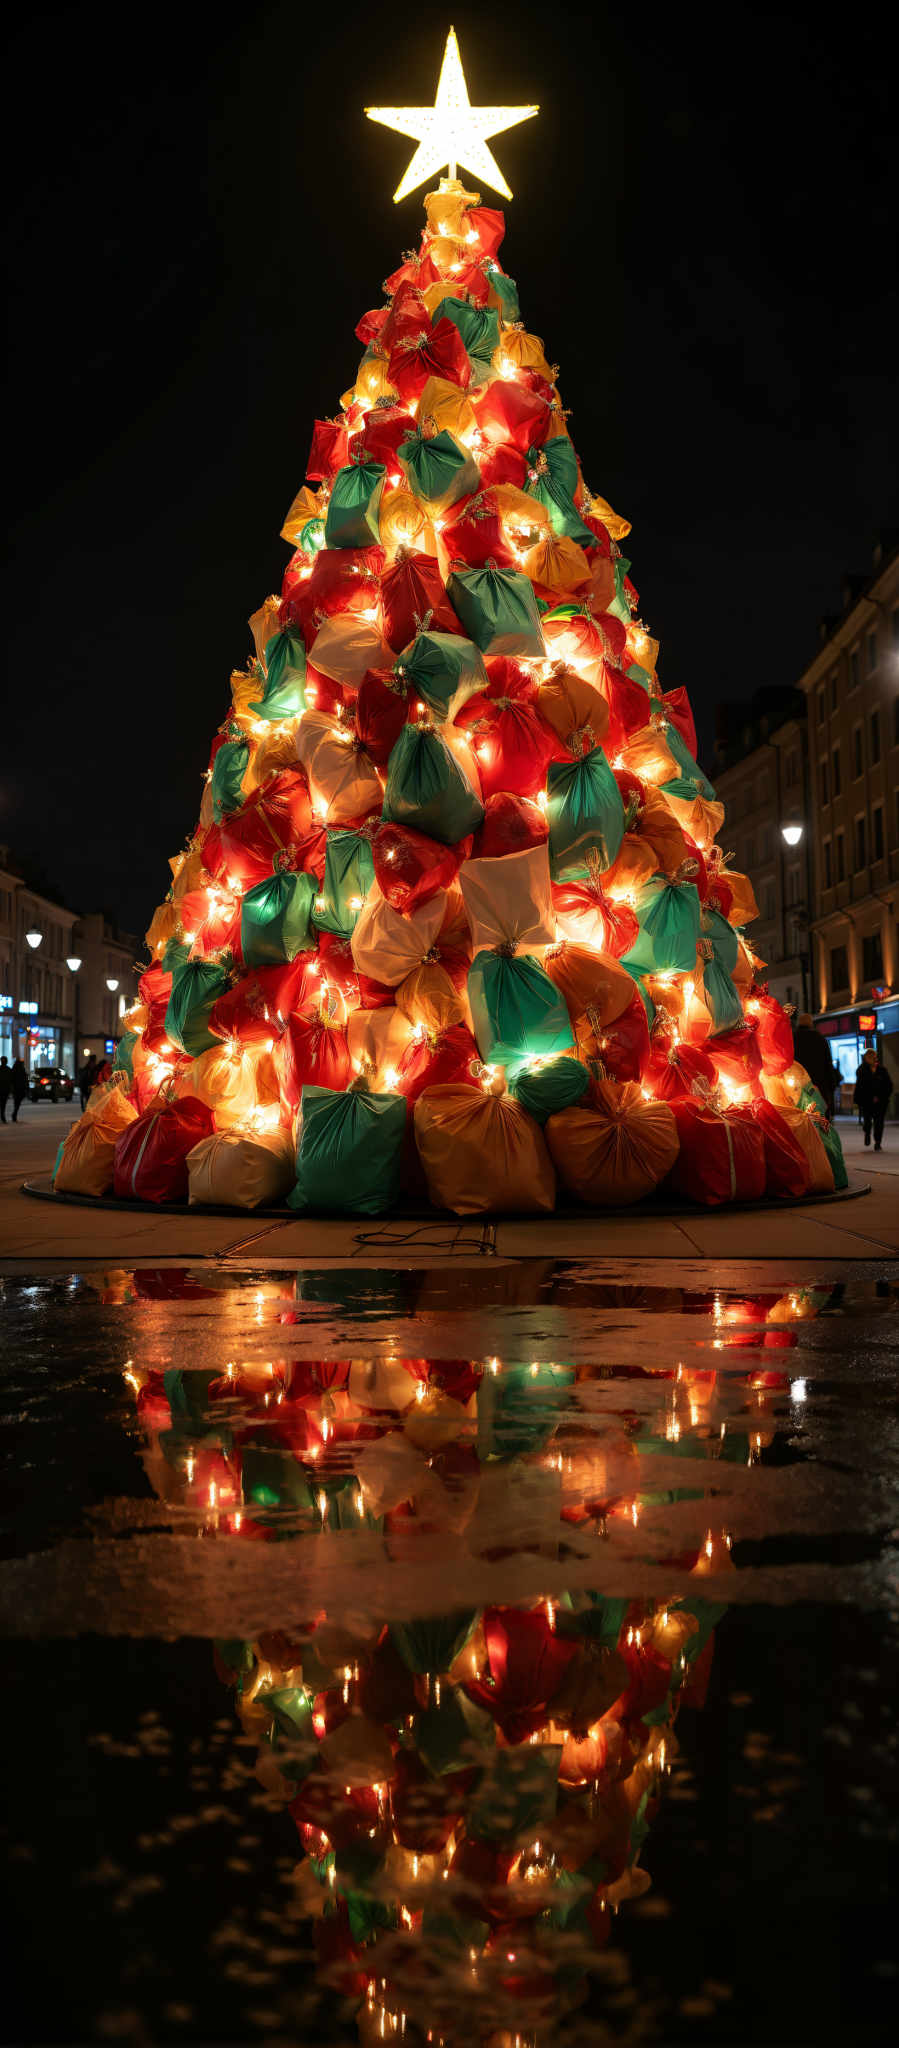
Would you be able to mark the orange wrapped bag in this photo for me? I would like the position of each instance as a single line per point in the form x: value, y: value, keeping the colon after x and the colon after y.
x: 430, y: 998
x: 589, y: 980
x: 164, y: 924
x: 699, y: 816
x: 263, y: 625
x: 232, y: 1079
x: 648, y: 755
x: 557, y: 567
x: 635, y: 863
x: 189, y: 871
x: 615, y: 1148
x: 377, y: 1040
x: 482, y: 1152
x: 571, y: 705
x: 785, y: 1089
x: 519, y: 350
x: 86, y: 1165
x: 803, y: 1126
x: 658, y: 826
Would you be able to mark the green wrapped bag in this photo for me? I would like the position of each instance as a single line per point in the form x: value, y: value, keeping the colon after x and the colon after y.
x: 274, y: 919
x: 124, y: 1054
x: 445, y: 671
x: 427, y: 789
x: 506, y: 291
x: 498, y: 609
x: 830, y: 1139
x: 434, y: 1643
x: 479, y: 328
x: 690, y: 771
x: 438, y: 471
x: 619, y: 607
x: 349, y: 1153
x: 285, y: 662
x: 586, y: 816
x: 517, y: 1012
x: 312, y: 536
x: 349, y: 874
x: 195, y: 987
x: 352, y: 520
x: 550, y: 1085
x: 228, y: 771
x: 552, y: 480
x: 719, y: 949
x: 174, y: 954
x: 668, y: 914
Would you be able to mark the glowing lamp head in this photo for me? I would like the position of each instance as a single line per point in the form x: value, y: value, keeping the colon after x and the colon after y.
x: 791, y: 834
x: 33, y: 939
x: 73, y: 962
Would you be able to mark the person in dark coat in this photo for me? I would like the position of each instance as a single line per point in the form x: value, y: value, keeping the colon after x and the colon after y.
x: 873, y: 1089
x: 5, y: 1086
x: 813, y: 1053
x: 86, y: 1077
x: 19, y: 1087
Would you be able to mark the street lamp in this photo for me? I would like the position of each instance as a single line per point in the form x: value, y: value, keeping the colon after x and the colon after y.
x: 73, y: 962
x: 111, y: 983
x: 791, y: 834
x: 33, y: 939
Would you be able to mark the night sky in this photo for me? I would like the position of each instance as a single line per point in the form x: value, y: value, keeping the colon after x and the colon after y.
x: 701, y: 231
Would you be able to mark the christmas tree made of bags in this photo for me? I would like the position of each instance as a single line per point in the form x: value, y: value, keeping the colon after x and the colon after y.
x: 454, y: 926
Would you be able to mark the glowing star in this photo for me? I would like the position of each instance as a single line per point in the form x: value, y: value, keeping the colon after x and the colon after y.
x: 452, y: 131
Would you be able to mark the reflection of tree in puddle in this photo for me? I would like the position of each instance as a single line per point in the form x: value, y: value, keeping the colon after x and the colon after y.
x: 471, y: 1787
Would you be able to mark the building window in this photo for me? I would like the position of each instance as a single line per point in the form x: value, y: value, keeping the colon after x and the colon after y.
x: 837, y: 777
x: 872, y: 652
x: 855, y: 669
x: 841, y: 856
x: 822, y: 713
x: 824, y: 778
x: 828, y: 864
x: 877, y: 832
x: 834, y: 690
x: 857, y: 763
x: 860, y: 844
x: 872, y: 957
x: 839, y: 968
x: 874, y: 740
x: 791, y: 768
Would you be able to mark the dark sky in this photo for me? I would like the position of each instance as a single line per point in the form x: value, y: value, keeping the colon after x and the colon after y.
x: 701, y: 231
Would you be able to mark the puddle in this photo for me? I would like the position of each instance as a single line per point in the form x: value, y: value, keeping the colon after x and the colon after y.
x: 468, y: 1655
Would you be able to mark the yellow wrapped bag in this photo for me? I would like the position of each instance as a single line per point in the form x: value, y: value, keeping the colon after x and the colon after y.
x: 275, y: 750
x: 558, y: 566
x: 237, y: 1171
x: 164, y: 924
x: 634, y: 864
x: 648, y: 755
x: 346, y: 646
x: 387, y: 944
x: 343, y: 783
x: 616, y: 527
x: 615, y: 1151
x: 306, y: 505
x: 571, y: 705
x: 784, y: 1090
x: 428, y: 997
x: 263, y: 625
x: 377, y: 1040
x: 744, y: 907
x: 233, y: 1080
x: 519, y: 350
x: 188, y: 872
x: 699, y: 816
x: 402, y: 523
x: 86, y: 1166
x: 802, y: 1124
x: 508, y: 900
x: 449, y: 408
x: 482, y: 1153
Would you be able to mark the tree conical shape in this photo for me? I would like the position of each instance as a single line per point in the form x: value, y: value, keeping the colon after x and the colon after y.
x: 454, y: 830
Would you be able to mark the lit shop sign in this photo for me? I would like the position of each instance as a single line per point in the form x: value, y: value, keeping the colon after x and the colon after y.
x: 867, y: 1020
x: 28, y: 1009
x: 5, y: 1002
x: 110, y: 1045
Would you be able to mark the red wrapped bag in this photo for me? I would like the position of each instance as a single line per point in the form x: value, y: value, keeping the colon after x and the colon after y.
x: 210, y: 922
x: 154, y: 989
x: 329, y: 450
x: 407, y: 315
x: 274, y: 821
x: 382, y: 709
x: 484, y: 228
x: 587, y: 636
x: 508, y: 411
x: 151, y: 1155
x: 341, y: 580
x: 674, y: 1067
x: 313, y: 1050
x: 787, y: 1169
x: 413, y: 601
x: 736, y: 1055
x: 255, y: 1010
x: 511, y: 824
x: 719, y: 894
x: 584, y: 913
x: 622, y: 1045
x: 500, y: 464
x: 371, y: 324
x: 513, y: 744
x: 628, y: 705
x: 476, y: 534
x: 774, y: 1034
x: 322, y: 693
x: 721, y: 1158
x: 431, y: 352
x: 410, y: 867
x: 383, y: 430
x: 676, y: 706
x: 339, y: 967
x: 432, y: 1059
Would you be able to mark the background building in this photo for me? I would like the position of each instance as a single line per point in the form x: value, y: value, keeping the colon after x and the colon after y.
x: 761, y: 776
x: 852, y: 692
x: 45, y: 1001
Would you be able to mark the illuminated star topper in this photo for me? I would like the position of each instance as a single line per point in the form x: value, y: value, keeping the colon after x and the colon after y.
x: 452, y: 131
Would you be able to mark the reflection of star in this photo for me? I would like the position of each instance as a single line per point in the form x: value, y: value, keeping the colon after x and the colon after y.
x: 452, y: 131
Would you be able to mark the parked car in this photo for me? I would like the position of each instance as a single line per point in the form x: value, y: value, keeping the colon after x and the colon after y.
x: 50, y: 1084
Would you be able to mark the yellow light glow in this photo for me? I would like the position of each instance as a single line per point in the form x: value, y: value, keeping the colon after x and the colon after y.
x: 452, y: 131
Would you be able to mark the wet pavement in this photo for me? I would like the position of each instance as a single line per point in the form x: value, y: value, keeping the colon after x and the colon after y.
x: 478, y: 1653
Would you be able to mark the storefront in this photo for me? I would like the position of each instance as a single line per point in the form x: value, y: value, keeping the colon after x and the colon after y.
x: 850, y: 1033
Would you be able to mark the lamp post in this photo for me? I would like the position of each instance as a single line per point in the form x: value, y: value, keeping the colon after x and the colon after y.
x: 73, y: 962
x: 33, y: 939
x: 792, y: 835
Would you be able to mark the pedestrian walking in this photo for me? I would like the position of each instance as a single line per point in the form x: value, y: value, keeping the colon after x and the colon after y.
x: 813, y: 1053
x: 5, y: 1086
x: 86, y: 1078
x: 19, y: 1087
x: 873, y: 1089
